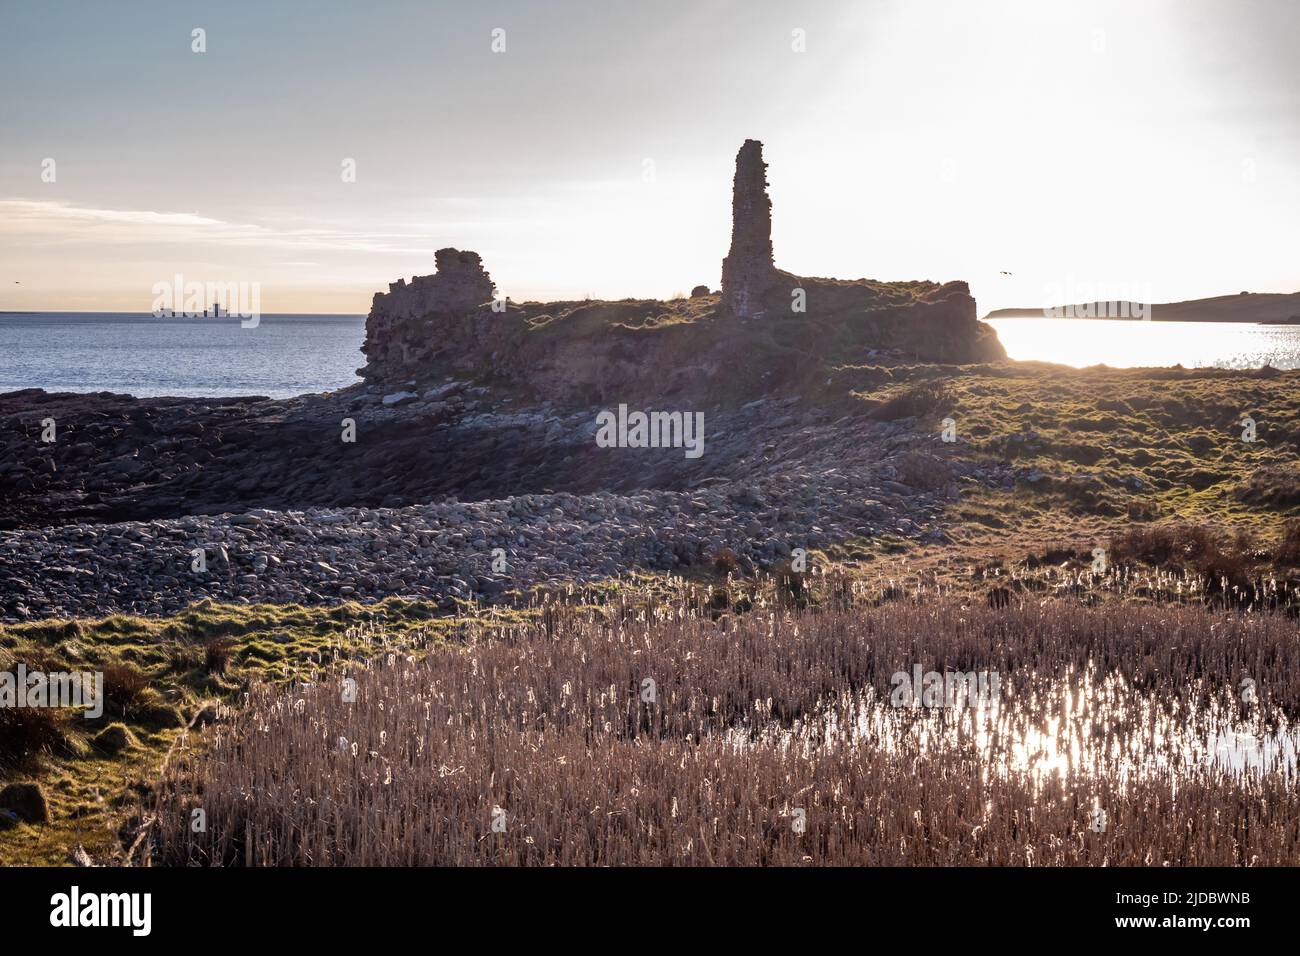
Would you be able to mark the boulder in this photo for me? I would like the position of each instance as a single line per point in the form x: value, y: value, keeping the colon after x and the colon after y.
x: 26, y: 801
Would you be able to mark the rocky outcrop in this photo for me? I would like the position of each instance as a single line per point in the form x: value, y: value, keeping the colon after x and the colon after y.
x: 707, y: 348
x: 459, y: 285
x: 748, y: 271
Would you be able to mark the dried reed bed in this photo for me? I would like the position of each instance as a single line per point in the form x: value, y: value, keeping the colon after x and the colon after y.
x: 762, y: 722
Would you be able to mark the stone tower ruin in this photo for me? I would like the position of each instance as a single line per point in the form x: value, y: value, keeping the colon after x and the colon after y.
x: 748, y: 271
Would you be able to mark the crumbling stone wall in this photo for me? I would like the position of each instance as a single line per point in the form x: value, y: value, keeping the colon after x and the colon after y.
x: 748, y: 271
x: 393, y: 328
x: 460, y: 283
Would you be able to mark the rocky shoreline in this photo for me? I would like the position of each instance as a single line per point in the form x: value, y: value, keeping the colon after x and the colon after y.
x: 776, y: 476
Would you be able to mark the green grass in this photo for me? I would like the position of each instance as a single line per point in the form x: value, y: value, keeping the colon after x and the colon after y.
x: 158, y: 674
x: 1128, y: 444
x: 1110, y: 450
x: 1140, y: 443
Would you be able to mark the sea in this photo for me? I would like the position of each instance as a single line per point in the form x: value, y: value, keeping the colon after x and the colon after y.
x: 138, y: 354
x: 287, y: 355
x: 1128, y: 343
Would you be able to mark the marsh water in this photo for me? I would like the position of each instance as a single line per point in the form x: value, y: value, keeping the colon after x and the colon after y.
x: 1074, y: 726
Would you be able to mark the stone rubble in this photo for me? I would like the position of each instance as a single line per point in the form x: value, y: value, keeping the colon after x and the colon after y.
x: 775, y: 476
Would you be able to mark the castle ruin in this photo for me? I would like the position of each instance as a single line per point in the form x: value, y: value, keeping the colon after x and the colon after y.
x: 459, y: 285
x: 748, y: 271
x: 448, y: 323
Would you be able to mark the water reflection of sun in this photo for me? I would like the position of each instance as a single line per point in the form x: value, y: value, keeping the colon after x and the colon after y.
x: 1135, y: 343
x: 1063, y: 728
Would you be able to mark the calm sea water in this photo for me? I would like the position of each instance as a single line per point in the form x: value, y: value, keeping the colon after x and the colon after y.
x: 1122, y: 343
x: 138, y: 354
x: 293, y: 354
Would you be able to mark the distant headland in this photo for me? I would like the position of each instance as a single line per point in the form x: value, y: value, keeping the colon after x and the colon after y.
x: 1266, y: 308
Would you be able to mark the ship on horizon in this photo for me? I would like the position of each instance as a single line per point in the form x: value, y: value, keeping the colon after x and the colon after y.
x: 173, y: 314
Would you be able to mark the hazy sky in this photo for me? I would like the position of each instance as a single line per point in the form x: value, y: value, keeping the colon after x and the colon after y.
x: 1146, y: 150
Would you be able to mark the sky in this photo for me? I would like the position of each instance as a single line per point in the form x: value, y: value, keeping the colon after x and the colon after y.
x: 1044, y: 151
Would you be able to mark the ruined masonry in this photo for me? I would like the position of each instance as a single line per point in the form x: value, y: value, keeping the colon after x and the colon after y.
x: 459, y: 285
x: 748, y: 272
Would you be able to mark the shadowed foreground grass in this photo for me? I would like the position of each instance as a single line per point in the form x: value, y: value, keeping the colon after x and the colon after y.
x: 1121, y: 735
x: 158, y: 674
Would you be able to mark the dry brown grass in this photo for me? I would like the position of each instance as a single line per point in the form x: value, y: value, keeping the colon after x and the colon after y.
x: 1287, y: 552
x: 750, y: 723
x: 126, y: 687
x: 928, y: 398
x: 27, y: 733
x: 926, y: 472
x: 217, y: 654
x: 1234, y: 568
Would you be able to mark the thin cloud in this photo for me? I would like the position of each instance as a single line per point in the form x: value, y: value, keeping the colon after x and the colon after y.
x: 35, y: 219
